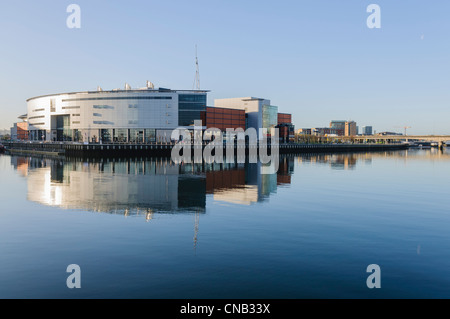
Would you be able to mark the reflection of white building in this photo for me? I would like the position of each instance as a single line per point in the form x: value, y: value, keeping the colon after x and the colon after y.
x: 136, y: 186
x: 245, y: 195
x: 109, y: 187
x: 257, y: 187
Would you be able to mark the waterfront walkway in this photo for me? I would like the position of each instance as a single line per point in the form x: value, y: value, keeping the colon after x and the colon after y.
x: 164, y: 149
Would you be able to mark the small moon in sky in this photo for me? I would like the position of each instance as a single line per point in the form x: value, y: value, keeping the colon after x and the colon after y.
x: 422, y: 37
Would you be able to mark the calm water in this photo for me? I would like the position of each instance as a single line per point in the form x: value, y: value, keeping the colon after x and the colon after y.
x: 152, y: 229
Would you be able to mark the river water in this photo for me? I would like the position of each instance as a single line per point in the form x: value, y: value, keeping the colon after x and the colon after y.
x: 147, y: 228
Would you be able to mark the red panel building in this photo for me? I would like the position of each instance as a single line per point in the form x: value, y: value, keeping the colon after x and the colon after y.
x: 22, y: 131
x: 223, y: 118
x: 284, y: 118
x: 285, y: 127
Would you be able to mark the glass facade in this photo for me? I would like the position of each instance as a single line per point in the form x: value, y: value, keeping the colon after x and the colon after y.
x: 37, y: 135
x: 77, y: 136
x: 150, y: 135
x: 106, y: 135
x: 190, y: 108
x: 120, y: 135
x: 136, y: 135
x: 269, y: 116
x: 63, y: 131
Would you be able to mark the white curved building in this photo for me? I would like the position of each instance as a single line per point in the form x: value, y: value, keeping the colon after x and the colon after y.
x: 137, y: 116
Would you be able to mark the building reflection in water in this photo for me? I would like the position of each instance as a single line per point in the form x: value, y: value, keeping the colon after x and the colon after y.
x: 349, y: 161
x: 146, y: 186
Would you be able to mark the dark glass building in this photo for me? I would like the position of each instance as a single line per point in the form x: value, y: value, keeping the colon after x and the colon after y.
x: 190, y: 108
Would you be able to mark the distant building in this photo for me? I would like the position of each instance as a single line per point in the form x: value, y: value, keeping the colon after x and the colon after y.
x: 13, y: 132
x: 350, y: 128
x: 366, y: 130
x: 339, y: 126
x: 323, y: 131
x: 304, y: 131
x: 344, y: 128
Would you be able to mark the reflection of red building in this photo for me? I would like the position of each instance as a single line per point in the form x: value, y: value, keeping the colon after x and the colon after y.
x: 285, y: 127
x: 228, y: 179
x: 223, y: 118
x: 284, y: 173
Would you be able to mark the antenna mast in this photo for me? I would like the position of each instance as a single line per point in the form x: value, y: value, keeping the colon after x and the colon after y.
x: 196, y: 85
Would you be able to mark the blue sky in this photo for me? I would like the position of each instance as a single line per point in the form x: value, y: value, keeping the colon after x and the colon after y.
x: 315, y: 59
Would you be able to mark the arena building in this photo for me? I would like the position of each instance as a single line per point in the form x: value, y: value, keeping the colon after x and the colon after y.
x: 130, y: 115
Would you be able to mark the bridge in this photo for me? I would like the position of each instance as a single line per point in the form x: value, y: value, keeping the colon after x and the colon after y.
x: 441, y: 140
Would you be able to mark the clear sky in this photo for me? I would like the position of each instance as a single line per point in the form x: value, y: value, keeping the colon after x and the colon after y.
x: 316, y: 59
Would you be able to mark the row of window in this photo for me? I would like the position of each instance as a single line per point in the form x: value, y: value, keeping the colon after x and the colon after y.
x: 219, y: 116
x: 36, y: 117
x: 192, y: 98
x: 103, y: 107
x: 119, y: 98
x: 104, y: 122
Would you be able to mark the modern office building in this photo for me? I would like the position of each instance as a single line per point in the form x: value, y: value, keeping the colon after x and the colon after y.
x: 339, y: 126
x: 344, y: 128
x: 366, y: 130
x: 318, y: 131
x: 350, y: 128
x: 129, y: 115
x: 304, y: 131
x: 323, y: 131
x: 259, y: 112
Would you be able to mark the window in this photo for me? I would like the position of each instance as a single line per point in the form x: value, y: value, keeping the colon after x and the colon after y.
x: 120, y: 135
x: 120, y: 98
x: 96, y: 114
x: 36, y: 117
x: 103, y: 122
x: 103, y: 107
x: 190, y: 108
x: 70, y: 107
